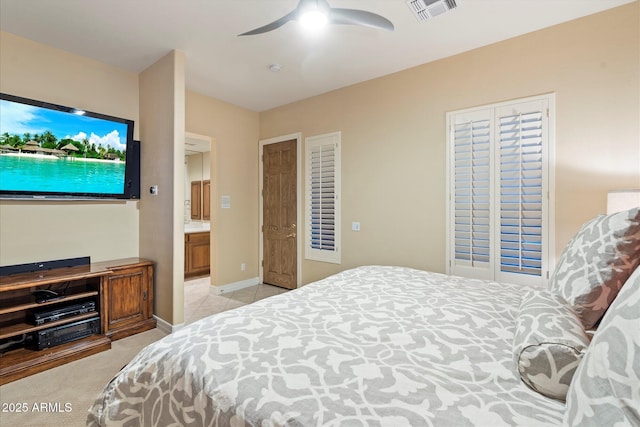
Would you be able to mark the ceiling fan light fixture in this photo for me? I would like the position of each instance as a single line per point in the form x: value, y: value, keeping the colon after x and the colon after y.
x: 313, y: 15
x: 313, y: 19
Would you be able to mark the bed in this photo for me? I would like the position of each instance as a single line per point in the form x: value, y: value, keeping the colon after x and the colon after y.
x: 370, y: 346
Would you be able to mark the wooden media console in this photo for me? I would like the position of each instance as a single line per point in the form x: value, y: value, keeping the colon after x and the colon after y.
x: 121, y: 292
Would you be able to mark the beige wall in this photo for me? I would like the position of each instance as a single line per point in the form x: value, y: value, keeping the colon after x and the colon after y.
x: 393, y: 134
x: 162, y: 133
x: 234, y: 172
x: 35, y: 230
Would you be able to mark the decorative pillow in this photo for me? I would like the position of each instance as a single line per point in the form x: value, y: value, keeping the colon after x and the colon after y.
x: 548, y: 343
x: 596, y: 263
x: 606, y: 386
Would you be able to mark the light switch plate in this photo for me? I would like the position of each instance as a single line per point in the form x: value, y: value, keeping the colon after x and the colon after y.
x: 225, y: 202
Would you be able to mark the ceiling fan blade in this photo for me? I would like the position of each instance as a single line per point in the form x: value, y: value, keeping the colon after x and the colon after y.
x: 359, y: 17
x: 291, y: 16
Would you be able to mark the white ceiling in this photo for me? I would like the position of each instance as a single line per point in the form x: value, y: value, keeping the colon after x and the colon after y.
x: 133, y: 34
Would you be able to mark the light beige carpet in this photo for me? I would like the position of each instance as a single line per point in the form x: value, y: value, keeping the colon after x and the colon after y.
x: 60, y: 397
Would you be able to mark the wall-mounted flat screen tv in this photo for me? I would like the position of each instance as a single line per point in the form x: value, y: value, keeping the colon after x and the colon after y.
x: 52, y: 151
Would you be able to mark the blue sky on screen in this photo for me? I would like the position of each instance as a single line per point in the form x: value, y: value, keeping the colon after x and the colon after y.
x: 18, y: 119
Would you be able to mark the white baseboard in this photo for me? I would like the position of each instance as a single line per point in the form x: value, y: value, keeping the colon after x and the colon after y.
x: 235, y: 286
x: 167, y: 327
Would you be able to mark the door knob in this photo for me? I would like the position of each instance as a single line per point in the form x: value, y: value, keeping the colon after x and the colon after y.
x: 291, y: 235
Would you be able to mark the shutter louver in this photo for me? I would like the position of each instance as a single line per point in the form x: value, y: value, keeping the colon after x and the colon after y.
x: 322, y: 203
x: 472, y: 165
x: 521, y: 192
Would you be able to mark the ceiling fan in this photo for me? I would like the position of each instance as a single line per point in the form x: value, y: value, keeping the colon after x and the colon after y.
x: 317, y: 13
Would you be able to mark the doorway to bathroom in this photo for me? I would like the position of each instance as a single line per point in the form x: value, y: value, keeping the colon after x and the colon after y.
x: 199, y: 236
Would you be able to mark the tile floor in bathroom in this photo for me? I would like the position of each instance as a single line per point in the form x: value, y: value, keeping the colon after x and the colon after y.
x: 200, y: 299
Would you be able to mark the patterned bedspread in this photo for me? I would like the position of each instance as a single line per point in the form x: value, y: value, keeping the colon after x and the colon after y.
x: 372, y: 346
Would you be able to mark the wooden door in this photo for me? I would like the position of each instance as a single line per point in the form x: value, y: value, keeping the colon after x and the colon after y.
x: 128, y: 297
x: 206, y: 200
x: 197, y: 254
x: 280, y: 214
x: 196, y: 199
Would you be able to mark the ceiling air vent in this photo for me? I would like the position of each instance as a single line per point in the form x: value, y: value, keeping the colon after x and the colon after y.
x: 426, y: 9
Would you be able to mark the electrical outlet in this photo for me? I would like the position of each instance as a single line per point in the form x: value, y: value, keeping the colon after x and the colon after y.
x: 243, y: 266
x: 355, y: 226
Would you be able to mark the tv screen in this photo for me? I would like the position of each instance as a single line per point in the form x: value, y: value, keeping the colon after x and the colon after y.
x: 51, y: 151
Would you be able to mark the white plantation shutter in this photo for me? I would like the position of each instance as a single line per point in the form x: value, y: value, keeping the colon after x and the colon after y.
x: 472, y: 194
x: 322, y: 212
x: 323, y: 202
x: 521, y: 190
x: 498, y: 184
